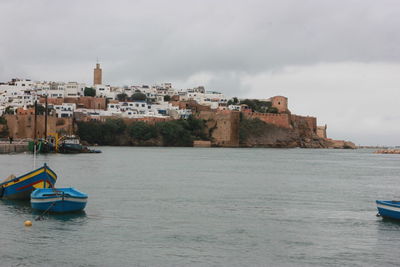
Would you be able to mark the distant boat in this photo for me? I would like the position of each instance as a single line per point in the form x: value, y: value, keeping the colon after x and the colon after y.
x: 20, y: 188
x: 72, y: 144
x: 58, y: 199
x: 389, y: 209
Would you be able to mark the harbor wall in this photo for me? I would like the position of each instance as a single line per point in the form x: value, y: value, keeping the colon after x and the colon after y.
x: 22, y: 126
x: 13, y: 148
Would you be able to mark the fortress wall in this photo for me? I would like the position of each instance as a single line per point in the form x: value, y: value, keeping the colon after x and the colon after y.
x: 321, y: 131
x: 223, y: 125
x: 281, y: 120
x: 22, y: 126
x: 310, y: 121
x: 88, y: 102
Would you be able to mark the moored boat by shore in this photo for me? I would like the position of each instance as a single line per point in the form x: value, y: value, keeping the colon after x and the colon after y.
x: 58, y: 200
x: 20, y: 188
x: 72, y: 144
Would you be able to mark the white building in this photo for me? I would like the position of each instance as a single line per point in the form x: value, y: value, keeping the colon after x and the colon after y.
x: 105, y: 91
x: 65, y: 110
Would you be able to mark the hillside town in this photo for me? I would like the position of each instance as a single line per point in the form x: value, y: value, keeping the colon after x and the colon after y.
x: 98, y: 100
x: 70, y: 102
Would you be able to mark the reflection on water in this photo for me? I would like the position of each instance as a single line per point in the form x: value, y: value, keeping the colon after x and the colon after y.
x: 73, y: 217
x: 16, y: 206
x: 388, y: 224
x: 19, y: 207
x: 210, y: 207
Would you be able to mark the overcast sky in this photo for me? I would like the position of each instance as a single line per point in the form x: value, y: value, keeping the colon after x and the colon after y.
x: 338, y: 60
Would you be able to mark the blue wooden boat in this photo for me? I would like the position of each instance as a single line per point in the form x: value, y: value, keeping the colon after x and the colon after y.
x: 20, y: 188
x: 58, y: 199
x: 389, y: 209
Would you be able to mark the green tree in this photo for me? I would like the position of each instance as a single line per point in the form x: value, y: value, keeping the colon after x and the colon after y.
x: 257, y: 105
x: 138, y: 97
x: 3, y: 120
x: 122, y: 97
x: 102, y: 133
x: 89, y: 91
x: 4, y: 131
x: 40, y: 110
x: 197, y: 128
x: 233, y: 101
x: 272, y: 110
x: 167, y: 98
x: 9, y: 110
x: 142, y: 131
x: 174, y: 133
x: 91, y: 132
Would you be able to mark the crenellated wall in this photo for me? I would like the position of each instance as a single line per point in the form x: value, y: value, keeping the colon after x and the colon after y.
x: 280, y: 120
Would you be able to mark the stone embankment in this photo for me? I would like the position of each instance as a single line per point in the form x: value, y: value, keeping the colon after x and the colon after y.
x: 388, y: 151
x: 18, y: 147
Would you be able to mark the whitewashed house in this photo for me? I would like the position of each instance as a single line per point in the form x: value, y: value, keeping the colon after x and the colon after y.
x: 65, y: 110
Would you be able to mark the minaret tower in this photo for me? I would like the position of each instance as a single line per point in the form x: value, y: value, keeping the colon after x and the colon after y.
x: 97, y: 75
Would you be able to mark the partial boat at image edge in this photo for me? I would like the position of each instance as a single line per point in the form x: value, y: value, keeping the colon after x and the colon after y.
x: 389, y: 209
x: 20, y: 188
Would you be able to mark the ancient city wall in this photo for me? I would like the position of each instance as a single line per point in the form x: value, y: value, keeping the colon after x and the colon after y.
x: 223, y: 126
x: 22, y: 126
x: 281, y: 120
x: 83, y: 102
x: 300, y: 120
x: 321, y: 131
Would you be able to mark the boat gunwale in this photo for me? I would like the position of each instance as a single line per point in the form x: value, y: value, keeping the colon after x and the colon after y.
x: 388, y: 203
x: 40, y: 193
x: 16, y: 179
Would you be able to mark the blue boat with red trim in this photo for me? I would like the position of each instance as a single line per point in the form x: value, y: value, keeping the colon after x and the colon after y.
x: 389, y: 209
x: 20, y: 188
x: 58, y: 199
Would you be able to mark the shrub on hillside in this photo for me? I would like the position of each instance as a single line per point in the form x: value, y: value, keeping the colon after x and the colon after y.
x: 142, y: 131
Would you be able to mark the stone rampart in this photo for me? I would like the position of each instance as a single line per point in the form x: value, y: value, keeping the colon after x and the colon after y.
x: 321, y: 131
x: 88, y: 102
x: 22, y: 126
x: 311, y: 122
x: 280, y: 120
x: 223, y: 127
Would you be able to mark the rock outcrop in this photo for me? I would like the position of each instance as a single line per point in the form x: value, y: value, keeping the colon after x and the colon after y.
x: 257, y: 133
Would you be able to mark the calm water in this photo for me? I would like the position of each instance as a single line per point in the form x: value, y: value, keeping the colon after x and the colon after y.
x: 209, y: 207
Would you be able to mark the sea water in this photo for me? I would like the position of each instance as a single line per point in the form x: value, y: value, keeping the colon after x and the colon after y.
x: 209, y: 207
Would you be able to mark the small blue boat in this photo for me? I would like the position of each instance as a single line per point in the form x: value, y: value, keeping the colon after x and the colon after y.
x: 20, y: 188
x: 389, y: 209
x: 58, y: 199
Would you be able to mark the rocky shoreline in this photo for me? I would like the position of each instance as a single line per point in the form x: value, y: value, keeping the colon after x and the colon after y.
x: 387, y: 151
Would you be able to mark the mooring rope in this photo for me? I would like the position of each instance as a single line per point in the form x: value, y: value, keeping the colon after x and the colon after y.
x: 40, y: 217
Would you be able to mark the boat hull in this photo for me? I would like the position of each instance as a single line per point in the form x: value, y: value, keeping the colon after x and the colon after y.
x: 58, y: 200
x: 20, y: 188
x: 389, y: 209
